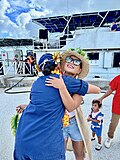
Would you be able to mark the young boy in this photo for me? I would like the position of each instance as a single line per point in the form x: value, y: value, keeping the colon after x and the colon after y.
x: 96, y: 118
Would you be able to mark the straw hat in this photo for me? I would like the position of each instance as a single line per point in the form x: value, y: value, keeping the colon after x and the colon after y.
x: 85, y: 64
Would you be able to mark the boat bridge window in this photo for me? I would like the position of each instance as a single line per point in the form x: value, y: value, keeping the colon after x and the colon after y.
x: 93, y: 56
x: 116, y: 60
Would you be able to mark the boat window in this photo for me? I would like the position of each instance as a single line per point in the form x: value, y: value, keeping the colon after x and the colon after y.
x: 116, y: 59
x: 43, y: 34
x: 93, y: 56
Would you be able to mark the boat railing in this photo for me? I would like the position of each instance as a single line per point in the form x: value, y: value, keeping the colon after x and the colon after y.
x: 85, y: 27
x: 13, y: 67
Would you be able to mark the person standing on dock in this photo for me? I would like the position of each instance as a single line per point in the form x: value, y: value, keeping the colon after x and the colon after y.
x: 114, y: 86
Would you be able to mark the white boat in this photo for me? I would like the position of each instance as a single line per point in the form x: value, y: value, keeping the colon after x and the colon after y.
x: 88, y: 31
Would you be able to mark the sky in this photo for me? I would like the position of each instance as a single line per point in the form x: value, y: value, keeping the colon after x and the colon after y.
x: 16, y: 15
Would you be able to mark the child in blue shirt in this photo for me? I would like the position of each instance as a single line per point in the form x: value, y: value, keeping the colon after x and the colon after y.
x: 96, y: 118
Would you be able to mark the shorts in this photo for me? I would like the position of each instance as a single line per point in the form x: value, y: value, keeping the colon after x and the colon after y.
x: 97, y: 131
x: 72, y: 131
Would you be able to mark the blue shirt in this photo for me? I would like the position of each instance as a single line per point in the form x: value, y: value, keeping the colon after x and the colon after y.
x: 114, y: 27
x: 39, y: 134
x: 99, y: 116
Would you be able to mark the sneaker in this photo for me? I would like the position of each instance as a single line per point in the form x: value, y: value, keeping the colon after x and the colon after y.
x: 108, y: 142
x: 93, y: 138
x: 98, y: 147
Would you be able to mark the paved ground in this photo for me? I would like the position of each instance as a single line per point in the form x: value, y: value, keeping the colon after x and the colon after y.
x: 7, y: 109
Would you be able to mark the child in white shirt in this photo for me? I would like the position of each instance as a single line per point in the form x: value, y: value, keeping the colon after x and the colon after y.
x: 96, y: 118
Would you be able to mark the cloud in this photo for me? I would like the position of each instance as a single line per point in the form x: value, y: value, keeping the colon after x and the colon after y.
x: 37, y: 14
x: 16, y: 22
x: 3, y: 7
x: 23, y: 19
x: 16, y: 15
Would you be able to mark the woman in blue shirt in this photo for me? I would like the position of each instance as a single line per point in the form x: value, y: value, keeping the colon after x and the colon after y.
x: 39, y: 135
x: 41, y: 122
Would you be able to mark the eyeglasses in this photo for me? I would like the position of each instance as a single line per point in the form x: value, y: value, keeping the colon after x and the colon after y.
x: 76, y: 62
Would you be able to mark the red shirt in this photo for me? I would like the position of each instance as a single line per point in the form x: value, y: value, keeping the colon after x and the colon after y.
x: 115, y: 86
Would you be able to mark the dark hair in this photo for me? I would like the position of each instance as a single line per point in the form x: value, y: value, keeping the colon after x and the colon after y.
x: 50, y: 67
x: 98, y: 102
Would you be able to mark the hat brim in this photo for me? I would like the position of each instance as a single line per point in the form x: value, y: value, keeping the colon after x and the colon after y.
x: 85, y: 64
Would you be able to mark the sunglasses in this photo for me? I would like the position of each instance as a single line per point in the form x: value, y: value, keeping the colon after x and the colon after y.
x: 76, y: 62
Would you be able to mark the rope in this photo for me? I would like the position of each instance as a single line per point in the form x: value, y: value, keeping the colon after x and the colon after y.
x: 16, y: 92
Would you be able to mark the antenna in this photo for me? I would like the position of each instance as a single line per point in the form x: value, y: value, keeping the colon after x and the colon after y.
x: 67, y: 19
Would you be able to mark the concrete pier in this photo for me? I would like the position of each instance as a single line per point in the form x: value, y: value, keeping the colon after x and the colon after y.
x: 9, y: 102
x: 27, y: 81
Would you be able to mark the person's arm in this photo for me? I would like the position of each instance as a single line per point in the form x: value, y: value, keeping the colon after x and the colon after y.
x: 93, y: 120
x: 109, y: 92
x: 93, y: 89
x: 21, y: 108
x: 59, y: 84
x: 69, y: 102
x: 55, y: 82
x: 89, y: 118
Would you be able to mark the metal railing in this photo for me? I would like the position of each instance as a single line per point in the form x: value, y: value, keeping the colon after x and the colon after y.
x: 13, y: 67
